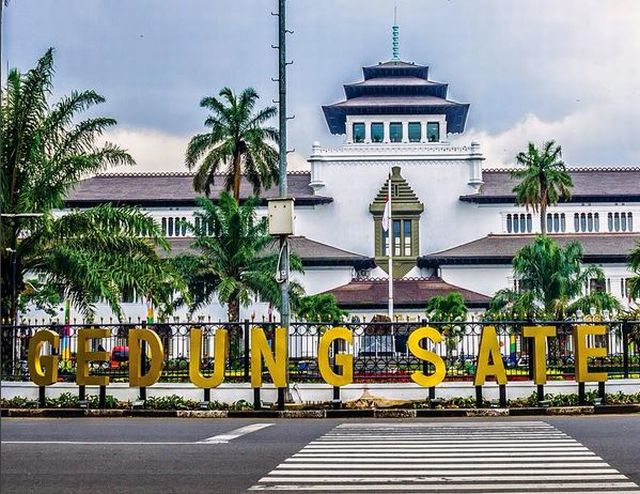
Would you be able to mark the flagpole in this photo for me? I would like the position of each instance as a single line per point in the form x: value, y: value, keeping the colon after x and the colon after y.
x: 390, y: 253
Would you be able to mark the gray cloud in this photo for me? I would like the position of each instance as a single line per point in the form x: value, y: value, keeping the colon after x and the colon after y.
x: 531, y: 69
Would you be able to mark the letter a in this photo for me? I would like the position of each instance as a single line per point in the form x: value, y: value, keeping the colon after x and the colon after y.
x: 490, y: 351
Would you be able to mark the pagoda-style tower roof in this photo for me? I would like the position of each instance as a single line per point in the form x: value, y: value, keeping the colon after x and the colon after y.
x: 396, y: 88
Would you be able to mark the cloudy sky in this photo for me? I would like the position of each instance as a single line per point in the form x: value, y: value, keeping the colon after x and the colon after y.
x: 531, y: 69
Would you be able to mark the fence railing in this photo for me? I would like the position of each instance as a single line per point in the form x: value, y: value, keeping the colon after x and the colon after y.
x: 379, y: 350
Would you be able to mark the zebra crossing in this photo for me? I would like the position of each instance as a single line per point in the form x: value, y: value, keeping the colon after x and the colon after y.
x: 454, y: 457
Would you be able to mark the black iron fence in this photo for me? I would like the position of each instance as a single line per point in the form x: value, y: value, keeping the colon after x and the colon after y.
x: 380, y: 350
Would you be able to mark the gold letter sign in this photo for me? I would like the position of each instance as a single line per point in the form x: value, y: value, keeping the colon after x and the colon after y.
x: 277, y: 366
x: 342, y: 359
x: 490, y: 349
x: 84, y: 356
x: 135, y: 352
x: 539, y: 335
x: 50, y: 373
x: 584, y: 352
x: 440, y: 371
x: 195, y: 353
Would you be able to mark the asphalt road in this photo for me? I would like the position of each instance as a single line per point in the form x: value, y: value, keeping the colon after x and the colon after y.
x: 227, y: 456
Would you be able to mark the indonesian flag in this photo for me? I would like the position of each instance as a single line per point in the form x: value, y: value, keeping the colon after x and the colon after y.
x: 386, y: 215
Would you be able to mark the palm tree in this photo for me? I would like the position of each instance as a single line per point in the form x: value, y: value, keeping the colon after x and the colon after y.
x: 238, y: 139
x: 543, y: 180
x: 551, y: 278
x: 234, y: 262
x: 634, y: 264
x: 448, y: 308
x: 319, y: 308
x: 93, y: 254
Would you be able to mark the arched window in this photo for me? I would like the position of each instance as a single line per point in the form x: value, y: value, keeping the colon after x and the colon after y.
x: 170, y: 229
x: 509, y: 224
x: 164, y: 226
x: 184, y: 226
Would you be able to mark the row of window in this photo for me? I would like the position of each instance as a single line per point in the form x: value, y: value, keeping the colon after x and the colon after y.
x: 177, y: 227
x: 620, y: 222
x: 396, y: 130
x: 582, y: 222
x: 519, y: 223
x: 594, y: 286
x: 401, y: 239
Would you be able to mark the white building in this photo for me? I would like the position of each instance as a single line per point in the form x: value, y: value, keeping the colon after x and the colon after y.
x: 455, y: 223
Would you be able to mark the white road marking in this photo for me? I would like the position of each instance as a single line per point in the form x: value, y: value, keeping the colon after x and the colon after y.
x: 103, y: 443
x: 470, y: 458
x: 234, y: 434
x: 219, y: 439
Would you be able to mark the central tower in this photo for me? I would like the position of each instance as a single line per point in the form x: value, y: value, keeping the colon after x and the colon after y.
x: 396, y: 103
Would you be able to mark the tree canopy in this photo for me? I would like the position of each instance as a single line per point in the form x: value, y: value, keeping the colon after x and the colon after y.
x: 238, y: 141
x: 551, y: 281
x: 543, y: 179
x: 319, y: 308
x: 93, y: 254
x: 233, y: 260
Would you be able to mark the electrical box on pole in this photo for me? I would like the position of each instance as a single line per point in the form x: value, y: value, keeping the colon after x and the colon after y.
x: 281, y: 216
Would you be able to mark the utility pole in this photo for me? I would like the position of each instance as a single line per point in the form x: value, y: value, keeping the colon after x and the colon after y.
x: 282, y: 158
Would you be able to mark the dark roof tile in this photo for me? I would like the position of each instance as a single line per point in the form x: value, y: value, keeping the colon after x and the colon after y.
x: 407, y: 293
x: 173, y: 188
x: 311, y: 253
x: 589, y: 185
x: 500, y: 249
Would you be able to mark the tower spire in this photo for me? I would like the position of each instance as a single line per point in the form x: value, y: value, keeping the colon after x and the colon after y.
x: 395, y: 33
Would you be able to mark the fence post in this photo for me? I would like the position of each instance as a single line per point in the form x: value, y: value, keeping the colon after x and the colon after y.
x: 582, y: 398
x: 540, y: 392
x: 102, y: 400
x: 625, y: 349
x: 602, y: 393
x: 281, y: 398
x: 479, y: 400
x: 42, y: 396
x: 246, y: 332
x: 336, y: 389
x: 256, y: 399
x: 82, y: 392
x: 143, y: 367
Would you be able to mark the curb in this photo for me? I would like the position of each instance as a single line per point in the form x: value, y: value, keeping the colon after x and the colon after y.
x: 342, y: 413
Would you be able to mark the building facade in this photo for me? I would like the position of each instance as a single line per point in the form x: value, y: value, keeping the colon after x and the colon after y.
x: 455, y: 225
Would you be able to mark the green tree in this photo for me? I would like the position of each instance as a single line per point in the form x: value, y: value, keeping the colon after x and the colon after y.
x: 92, y: 254
x: 543, y: 180
x: 551, y: 278
x: 319, y: 308
x: 238, y: 139
x: 234, y: 260
x: 634, y: 265
x: 449, y: 308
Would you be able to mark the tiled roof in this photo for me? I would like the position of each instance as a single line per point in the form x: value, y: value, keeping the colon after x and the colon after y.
x: 407, y: 293
x: 589, y: 185
x: 500, y: 249
x: 311, y: 253
x: 396, y: 88
x: 174, y: 188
